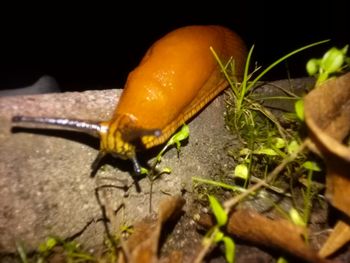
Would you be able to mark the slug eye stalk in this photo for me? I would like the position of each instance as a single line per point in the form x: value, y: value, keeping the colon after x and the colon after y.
x: 92, y: 128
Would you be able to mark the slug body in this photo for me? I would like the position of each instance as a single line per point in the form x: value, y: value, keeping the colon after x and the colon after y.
x: 175, y: 79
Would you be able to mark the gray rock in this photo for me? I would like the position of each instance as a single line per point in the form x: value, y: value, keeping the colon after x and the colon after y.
x: 44, y: 175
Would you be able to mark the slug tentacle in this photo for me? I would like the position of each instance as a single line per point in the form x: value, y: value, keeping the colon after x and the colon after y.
x: 96, y: 162
x: 92, y: 128
x: 137, y: 166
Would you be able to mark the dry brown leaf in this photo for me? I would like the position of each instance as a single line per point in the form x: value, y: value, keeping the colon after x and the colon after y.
x: 276, y: 233
x: 142, y: 245
x: 337, y: 239
x: 327, y: 115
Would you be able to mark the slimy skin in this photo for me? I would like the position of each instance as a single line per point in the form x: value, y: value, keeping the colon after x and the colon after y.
x: 175, y: 79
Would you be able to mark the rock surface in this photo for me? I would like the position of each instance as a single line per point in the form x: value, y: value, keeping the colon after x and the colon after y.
x: 45, y: 182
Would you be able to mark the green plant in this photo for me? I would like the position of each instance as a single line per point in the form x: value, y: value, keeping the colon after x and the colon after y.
x: 243, y: 105
x: 333, y: 61
x: 176, y: 140
x: 70, y: 251
x: 153, y: 173
x: 216, y: 235
x: 221, y: 220
x: 218, y: 184
x: 267, y: 145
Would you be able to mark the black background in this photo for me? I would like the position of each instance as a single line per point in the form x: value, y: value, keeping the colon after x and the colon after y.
x: 94, y: 46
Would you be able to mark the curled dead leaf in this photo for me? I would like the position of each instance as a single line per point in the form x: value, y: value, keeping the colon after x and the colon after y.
x: 337, y: 239
x: 327, y: 115
x: 143, y: 244
x: 275, y: 233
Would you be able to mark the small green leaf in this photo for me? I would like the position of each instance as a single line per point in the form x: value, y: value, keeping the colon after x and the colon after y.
x: 180, y: 136
x: 175, y: 139
x: 241, y: 171
x: 218, y: 210
x: 244, y: 151
x: 332, y: 60
x: 299, y: 109
x: 266, y: 151
x: 218, y: 236
x: 312, y: 166
x: 312, y: 66
x: 296, y: 217
x: 292, y: 147
x: 279, y: 142
x: 166, y: 170
x: 49, y: 244
x: 144, y: 170
x: 229, y: 249
x: 282, y: 260
x: 345, y: 49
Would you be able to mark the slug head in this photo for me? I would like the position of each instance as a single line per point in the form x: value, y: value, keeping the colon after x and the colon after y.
x: 120, y: 137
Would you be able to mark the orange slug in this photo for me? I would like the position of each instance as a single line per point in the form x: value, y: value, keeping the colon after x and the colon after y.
x: 175, y: 79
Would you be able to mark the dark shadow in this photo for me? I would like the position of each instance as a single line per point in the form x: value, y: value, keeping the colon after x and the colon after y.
x: 168, y: 228
x: 120, y: 164
x: 80, y: 232
x: 89, y: 140
x: 105, y: 220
